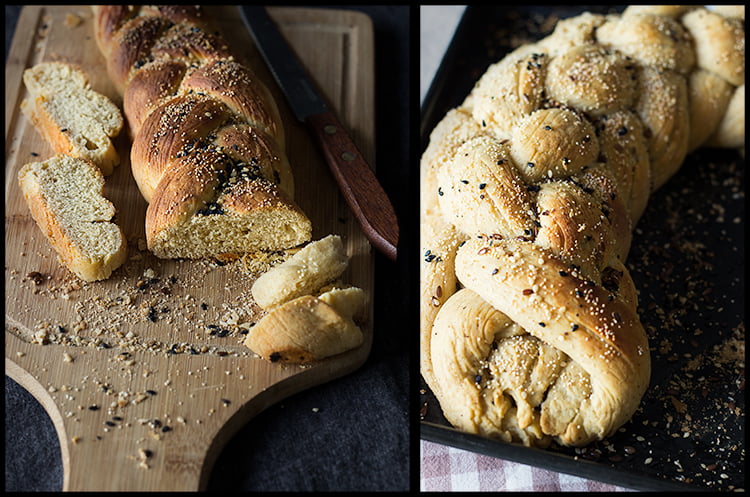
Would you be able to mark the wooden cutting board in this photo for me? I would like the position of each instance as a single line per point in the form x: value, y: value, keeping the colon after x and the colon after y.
x: 144, y: 375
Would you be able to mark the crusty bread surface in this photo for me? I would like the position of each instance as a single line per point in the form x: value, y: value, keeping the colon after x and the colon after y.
x: 304, y: 273
x: 208, y: 148
x: 530, y: 191
x: 310, y: 314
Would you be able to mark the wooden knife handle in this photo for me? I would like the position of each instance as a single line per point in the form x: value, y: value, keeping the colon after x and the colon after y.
x: 360, y: 187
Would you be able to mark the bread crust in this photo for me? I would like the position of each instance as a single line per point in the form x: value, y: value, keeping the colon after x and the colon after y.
x: 531, y: 189
x: 196, y: 116
x: 303, y: 330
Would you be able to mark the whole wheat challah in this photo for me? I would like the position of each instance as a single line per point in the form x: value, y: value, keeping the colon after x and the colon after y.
x: 208, y: 148
x: 530, y: 191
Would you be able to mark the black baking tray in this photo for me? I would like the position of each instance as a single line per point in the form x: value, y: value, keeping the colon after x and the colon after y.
x: 687, y: 261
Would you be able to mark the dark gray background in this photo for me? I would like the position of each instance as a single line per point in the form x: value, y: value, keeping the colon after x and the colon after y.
x: 359, y: 439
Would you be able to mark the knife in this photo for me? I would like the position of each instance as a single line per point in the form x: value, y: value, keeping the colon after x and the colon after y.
x: 361, y: 189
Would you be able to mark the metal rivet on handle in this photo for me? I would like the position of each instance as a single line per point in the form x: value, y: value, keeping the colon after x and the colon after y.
x: 330, y: 129
x: 347, y: 156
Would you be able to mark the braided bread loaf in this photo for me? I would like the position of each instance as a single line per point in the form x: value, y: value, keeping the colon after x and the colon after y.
x: 208, y: 148
x: 531, y: 189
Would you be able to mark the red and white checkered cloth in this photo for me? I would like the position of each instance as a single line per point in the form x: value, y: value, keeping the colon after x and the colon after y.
x: 445, y: 469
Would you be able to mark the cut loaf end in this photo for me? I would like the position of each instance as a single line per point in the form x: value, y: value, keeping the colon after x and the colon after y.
x: 269, y: 228
x: 211, y: 206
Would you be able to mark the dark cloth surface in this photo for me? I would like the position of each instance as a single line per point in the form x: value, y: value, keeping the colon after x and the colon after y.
x: 359, y: 438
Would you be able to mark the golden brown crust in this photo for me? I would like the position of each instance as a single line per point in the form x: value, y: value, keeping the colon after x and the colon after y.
x: 109, y: 19
x: 130, y: 46
x: 304, y: 273
x: 240, y: 91
x: 169, y: 132
x: 189, y: 43
x: 576, y: 316
x: 531, y: 188
x: 189, y: 104
x: 149, y: 88
x: 303, y: 330
x: 242, y: 142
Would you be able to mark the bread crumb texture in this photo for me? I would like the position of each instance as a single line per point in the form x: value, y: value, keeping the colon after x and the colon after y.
x: 66, y: 198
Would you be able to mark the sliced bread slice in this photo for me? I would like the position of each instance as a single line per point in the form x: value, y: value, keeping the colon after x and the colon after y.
x: 66, y: 199
x: 75, y: 119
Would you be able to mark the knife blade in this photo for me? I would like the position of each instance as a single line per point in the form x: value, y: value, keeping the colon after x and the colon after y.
x: 363, y: 193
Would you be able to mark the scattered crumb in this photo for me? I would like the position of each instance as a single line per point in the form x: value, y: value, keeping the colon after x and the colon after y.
x: 72, y: 20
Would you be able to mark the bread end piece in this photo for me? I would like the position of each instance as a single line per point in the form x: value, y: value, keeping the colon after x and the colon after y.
x: 303, y: 330
x: 304, y: 273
